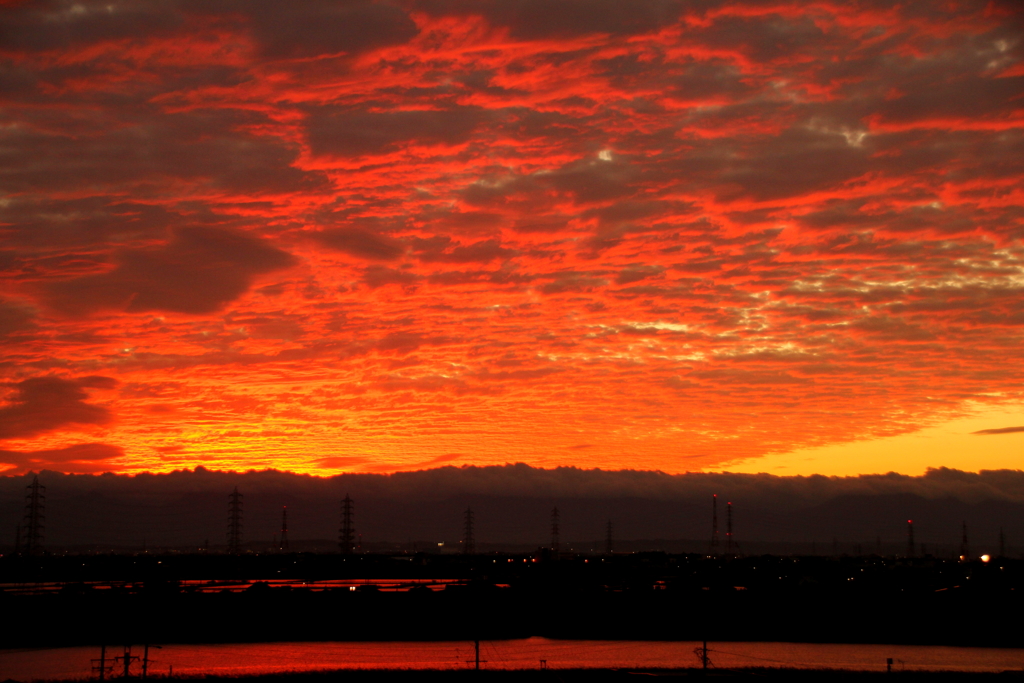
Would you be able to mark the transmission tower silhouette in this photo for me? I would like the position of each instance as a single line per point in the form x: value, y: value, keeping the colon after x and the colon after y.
x: 347, y: 534
x: 34, y: 506
x: 283, y: 545
x: 468, y: 542
x: 730, y: 544
x: 911, y: 546
x: 714, y: 524
x: 608, y: 545
x: 235, y: 522
x: 555, y: 531
x: 965, y: 548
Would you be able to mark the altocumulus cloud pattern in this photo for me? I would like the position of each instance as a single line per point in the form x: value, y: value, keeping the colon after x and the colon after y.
x: 374, y: 236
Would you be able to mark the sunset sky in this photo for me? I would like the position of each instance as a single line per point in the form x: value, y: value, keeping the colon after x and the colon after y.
x: 367, y: 236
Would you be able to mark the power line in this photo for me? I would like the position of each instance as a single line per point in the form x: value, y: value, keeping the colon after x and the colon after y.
x: 235, y: 522
x: 714, y: 523
x: 346, y: 535
x: 34, y: 507
x: 730, y: 544
x: 283, y: 544
x: 555, y: 531
x: 468, y: 542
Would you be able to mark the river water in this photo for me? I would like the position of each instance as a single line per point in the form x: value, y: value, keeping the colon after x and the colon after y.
x: 530, y: 653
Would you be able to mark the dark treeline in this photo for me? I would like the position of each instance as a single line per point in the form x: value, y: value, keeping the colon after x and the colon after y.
x: 630, y: 596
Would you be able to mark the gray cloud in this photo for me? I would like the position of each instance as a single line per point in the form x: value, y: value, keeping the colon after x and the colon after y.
x: 312, y: 28
x: 14, y: 318
x: 361, y: 243
x: 1003, y: 430
x: 317, y: 27
x: 199, y: 271
x: 357, y: 133
x: 42, y: 404
x: 81, y: 458
x: 534, y: 19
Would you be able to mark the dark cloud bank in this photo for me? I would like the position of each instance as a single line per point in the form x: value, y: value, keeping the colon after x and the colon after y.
x: 512, y: 504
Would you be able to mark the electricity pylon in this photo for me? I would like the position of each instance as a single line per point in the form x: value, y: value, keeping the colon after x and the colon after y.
x: 235, y: 522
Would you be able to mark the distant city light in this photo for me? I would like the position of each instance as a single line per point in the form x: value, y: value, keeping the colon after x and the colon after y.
x: 985, y: 558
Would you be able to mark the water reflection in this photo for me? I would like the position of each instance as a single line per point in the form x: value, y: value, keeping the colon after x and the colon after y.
x: 26, y: 665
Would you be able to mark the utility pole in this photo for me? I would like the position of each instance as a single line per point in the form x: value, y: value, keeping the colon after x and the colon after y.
x: 608, y: 546
x: 346, y: 536
x: 99, y: 666
x: 283, y: 545
x: 911, y: 547
x: 17, y: 540
x: 468, y: 542
x: 730, y: 544
x: 34, y: 517
x: 965, y: 548
x: 555, y: 532
x: 1002, y: 543
x: 476, y: 661
x: 714, y: 524
x: 126, y: 660
x: 235, y: 522
x: 145, y: 659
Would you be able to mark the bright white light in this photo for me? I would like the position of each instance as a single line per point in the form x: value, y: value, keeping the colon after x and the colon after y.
x: 985, y: 558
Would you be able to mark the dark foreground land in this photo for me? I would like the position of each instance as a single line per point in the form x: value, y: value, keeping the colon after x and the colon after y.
x: 89, y: 600
x: 616, y: 676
